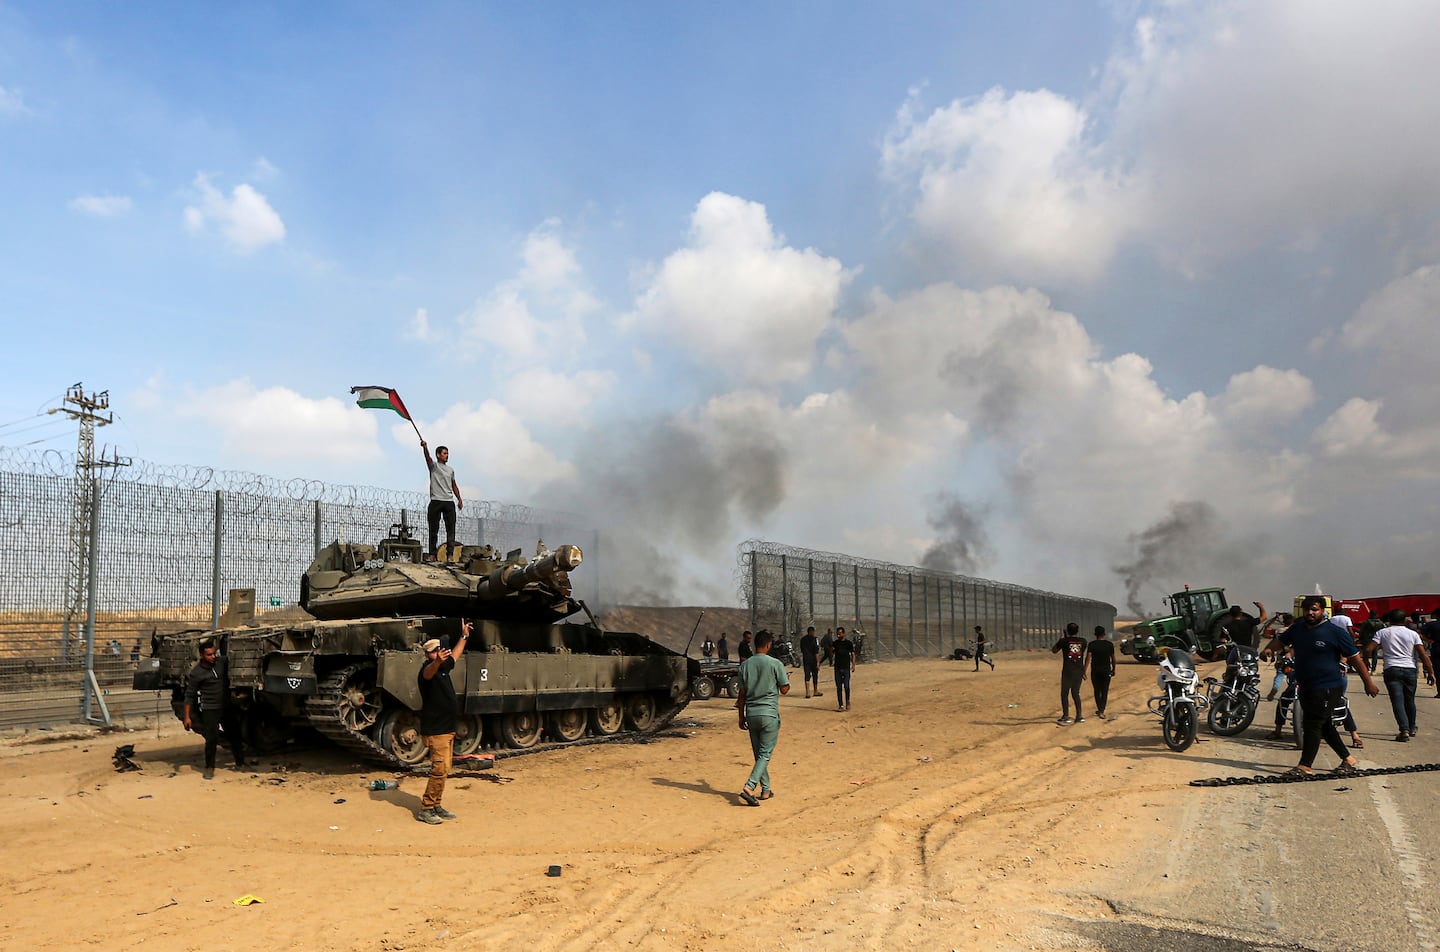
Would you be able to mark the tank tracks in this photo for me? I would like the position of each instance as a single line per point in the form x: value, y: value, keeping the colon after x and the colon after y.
x: 323, y: 712
x: 1357, y: 773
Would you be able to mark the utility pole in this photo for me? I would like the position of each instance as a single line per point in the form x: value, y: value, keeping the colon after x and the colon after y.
x: 90, y: 411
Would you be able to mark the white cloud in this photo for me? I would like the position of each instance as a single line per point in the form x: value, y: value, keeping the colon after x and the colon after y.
x: 554, y: 397
x: 1264, y: 398
x: 419, y: 327
x: 245, y: 219
x: 1010, y: 182
x: 262, y: 170
x: 102, y: 206
x: 278, y: 424
x: 736, y: 296
x: 538, y: 314
x: 12, y: 102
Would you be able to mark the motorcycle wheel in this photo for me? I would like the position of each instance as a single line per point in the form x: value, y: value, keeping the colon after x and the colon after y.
x: 1296, y: 716
x: 1231, y: 715
x: 1179, y: 726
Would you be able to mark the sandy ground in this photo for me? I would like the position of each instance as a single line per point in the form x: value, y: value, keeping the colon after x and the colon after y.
x: 945, y: 811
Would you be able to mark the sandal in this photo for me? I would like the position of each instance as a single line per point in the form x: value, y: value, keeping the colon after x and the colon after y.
x: 1346, y: 770
x: 1357, y: 744
x: 748, y: 796
x: 1298, y: 772
x: 768, y: 795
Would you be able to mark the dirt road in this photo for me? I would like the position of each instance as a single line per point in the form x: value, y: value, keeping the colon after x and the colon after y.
x: 945, y: 811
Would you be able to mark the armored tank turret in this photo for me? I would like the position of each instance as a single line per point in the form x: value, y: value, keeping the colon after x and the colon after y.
x: 532, y: 676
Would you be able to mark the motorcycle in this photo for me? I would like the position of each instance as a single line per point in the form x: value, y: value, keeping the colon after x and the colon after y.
x: 1178, y: 708
x: 783, y: 650
x: 1235, y: 699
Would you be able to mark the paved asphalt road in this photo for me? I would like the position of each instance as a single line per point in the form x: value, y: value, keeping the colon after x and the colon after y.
x: 1342, y: 864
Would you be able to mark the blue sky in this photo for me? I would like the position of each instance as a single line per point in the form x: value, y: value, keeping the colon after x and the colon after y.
x: 1102, y: 298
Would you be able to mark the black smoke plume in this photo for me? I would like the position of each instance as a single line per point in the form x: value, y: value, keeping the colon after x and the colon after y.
x: 1165, y: 549
x: 963, y: 546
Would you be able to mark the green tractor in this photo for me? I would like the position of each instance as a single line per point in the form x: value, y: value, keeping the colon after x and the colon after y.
x: 1194, y: 624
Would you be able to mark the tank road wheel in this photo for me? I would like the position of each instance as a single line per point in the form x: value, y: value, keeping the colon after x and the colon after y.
x: 468, y: 734
x: 568, y: 725
x: 608, y: 717
x: 703, y: 689
x: 359, y: 706
x: 640, y: 712
x: 399, y: 734
x: 520, y: 729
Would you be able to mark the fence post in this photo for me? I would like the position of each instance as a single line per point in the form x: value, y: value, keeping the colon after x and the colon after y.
x: 754, y: 585
x: 215, y: 564
x: 317, y: 527
x: 91, y: 584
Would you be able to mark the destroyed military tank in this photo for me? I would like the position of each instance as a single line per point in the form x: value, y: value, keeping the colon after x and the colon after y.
x: 531, y: 677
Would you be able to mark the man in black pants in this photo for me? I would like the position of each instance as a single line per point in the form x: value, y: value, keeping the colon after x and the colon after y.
x: 844, y: 654
x: 207, y: 705
x: 1072, y: 672
x: 981, y: 643
x: 1100, y: 656
x: 810, y: 660
x: 444, y: 496
x: 1320, y: 646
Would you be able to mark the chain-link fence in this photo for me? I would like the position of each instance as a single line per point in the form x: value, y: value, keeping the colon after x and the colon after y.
x: 164, y: 546
x: 900, y: 611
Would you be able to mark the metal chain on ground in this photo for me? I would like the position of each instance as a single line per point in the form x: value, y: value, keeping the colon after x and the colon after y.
x: 1357, y: 773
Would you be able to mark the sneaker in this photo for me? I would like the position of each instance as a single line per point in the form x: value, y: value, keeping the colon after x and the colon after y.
x: 443, y: 813
x: 1100, y: 714
x: 209, y: 773
x: 839, y: 707
x: 1079, y: 720
x: 1064, y: 722
x: 1403, y: 736
x: 1412, y: 732
x: 429, y: 816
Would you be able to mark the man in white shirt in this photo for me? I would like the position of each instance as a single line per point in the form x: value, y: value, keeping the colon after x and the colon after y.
x: 1398, y: 646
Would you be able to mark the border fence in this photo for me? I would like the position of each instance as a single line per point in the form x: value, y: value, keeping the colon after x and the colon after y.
x: 900, y: 611
x: 164, y: 546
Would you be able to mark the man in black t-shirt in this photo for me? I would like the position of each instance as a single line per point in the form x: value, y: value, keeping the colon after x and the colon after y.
x: 810, y: 660
x: 843, y: 651
x: 1100, y: 656
x: 745, y: 649
x: 439, y: 712
x: 722, y: 647
x: 1072, y: 649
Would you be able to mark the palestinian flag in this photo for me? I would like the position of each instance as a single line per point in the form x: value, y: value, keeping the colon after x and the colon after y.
x: 380, y: 398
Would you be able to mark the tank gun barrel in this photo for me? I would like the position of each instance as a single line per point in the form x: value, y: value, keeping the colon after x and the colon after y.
x: 509, y: 578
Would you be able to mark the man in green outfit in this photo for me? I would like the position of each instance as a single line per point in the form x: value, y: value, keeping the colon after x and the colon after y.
x: 762, y: 681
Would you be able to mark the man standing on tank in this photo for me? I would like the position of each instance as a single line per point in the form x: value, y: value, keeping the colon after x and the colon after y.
x: 1100, y: 656
x: 843, y: 652
x: 439, y: 711
x: 810, y: 660
x: 207, y: 705
x: 444, y: 496
x: 762, y: 681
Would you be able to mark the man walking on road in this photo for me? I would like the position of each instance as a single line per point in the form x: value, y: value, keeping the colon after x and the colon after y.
x: 444, y: 496
x: 439, y: 712
x: 1320, y: 647
x: 1399, y: 645
x: 843, y: 651
x: 1100, y: 656
x: 1072, y: 672
x: 762, y: 681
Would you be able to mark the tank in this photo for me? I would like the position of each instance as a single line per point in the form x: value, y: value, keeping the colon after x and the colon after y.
x: 538, y: 671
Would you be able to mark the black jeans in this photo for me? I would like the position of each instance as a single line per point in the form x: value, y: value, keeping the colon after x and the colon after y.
x: 1317, y: 720
x: 1102, y: 691
x: 438, y: 508
x: 1070, y: 688
x: 211, y: 724
x: 1401, y: 683
x: 842, y: 685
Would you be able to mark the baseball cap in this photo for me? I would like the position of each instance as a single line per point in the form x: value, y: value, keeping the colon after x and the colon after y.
x: 432, y: 645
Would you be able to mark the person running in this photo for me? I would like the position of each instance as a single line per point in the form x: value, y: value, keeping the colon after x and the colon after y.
x: 1399, y: 645
x: 1100, y: 656
x: 1072, y: 672
x: 843, y: 652
x: 981, y: 643
x: 810, y: 660
x: 762, y: 681
x: 1320, y: 646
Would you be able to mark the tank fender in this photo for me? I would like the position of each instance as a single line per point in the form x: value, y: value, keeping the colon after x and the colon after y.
x: 397, y: 673
x: 290, y: 672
